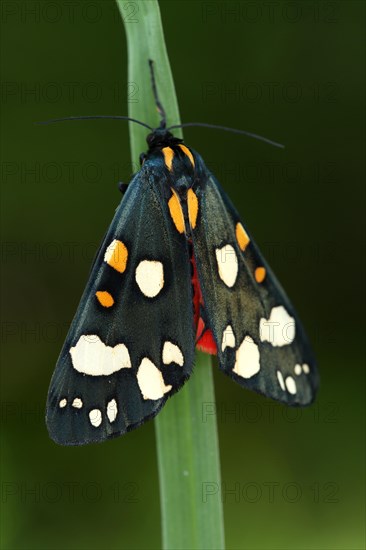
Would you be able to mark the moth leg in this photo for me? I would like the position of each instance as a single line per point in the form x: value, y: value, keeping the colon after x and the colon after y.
x: 142, y: 158
x: 122, y: 187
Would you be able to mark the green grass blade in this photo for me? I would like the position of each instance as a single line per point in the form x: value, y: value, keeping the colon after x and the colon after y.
x: 189, y: 465
x: 145, y: 40
x: 187, y: 442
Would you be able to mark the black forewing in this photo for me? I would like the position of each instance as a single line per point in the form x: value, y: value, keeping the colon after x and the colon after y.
x: 142, y: 222
x: 244, y: 305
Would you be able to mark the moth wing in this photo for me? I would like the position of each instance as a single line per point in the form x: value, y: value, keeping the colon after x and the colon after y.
x: 131, y: 343
x: 260, y: 341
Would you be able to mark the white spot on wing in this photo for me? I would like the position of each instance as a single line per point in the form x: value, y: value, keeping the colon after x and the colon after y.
x: 77, y: 403
x: 280, y: 380
x: 151, y: 381
x: 91, y: 356
x: 62, y: 403
x: 112, y: 410
x: 279, y: 329
x: 306, y: 368
x: 227, y: 263
x: 95, y: 417
x: 247, y: 359
x: 108, y: 255
x: 290, y: 385
x: 172, y: 354
x: 150, y: 277
x: 298, y: 370
x: 228, y: 338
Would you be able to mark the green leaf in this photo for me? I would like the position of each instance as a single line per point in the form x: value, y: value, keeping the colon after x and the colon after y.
x: 187, y: 442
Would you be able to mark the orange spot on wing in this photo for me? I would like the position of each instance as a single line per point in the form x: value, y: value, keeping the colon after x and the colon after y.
x: 187, y: 152
x: 176, y: 212
x: 192, y: 207
x: 105, y: 298
x: 168, y: 157
x: 116, y: 255
x: 260, y: 274
x: 241, y: 236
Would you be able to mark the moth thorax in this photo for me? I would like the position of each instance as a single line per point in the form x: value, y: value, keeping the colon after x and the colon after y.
x: 183, y: 183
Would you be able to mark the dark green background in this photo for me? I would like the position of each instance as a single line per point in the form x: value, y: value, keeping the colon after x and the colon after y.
x: 292, y: 71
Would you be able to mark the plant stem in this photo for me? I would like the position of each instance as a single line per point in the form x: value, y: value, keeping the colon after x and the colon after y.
x: 186, y: 431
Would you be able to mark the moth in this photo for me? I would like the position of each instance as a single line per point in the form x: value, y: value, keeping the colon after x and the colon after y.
x: 176, y: 270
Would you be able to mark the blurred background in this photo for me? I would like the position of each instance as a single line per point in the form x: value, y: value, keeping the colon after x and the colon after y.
x: 291, y: 71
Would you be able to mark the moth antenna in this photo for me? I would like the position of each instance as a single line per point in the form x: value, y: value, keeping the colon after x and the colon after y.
x: 93, y: 117
x: 158, y: 104
x: 226, y: 129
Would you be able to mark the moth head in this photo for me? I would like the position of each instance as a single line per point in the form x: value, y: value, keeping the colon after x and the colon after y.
x: 161, y: 137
